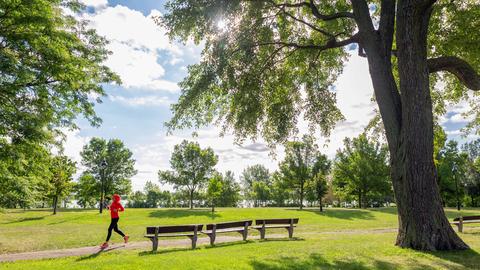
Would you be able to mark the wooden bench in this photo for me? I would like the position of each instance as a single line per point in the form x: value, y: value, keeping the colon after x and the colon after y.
x: 459, y: 221
x: 226, y: 227
x: 263, y: 224
x: 190, y: 231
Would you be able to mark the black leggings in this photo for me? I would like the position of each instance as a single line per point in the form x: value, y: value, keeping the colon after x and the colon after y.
x: 114, y: 226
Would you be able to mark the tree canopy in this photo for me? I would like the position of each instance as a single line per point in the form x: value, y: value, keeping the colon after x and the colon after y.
x: 51, y: 68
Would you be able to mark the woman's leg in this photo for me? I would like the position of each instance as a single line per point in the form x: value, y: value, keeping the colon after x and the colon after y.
x: 115, y: 228
x: 113, y: 224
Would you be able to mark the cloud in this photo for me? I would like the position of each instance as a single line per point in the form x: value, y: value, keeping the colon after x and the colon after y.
x: 142, y: 101
x: 95, y: 3
x: 137, y: 44
x: 256, y: 147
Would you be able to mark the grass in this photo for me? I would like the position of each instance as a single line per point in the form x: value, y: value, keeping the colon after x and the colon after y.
x: 312, y: 250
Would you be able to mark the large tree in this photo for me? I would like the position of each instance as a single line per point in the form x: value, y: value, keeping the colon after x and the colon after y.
x: 302, y: 162
x: 361, y: 170
x: 51, y: 68
x: 192, y: 166
x: 24, y: 173
x: 112, y: 165
x: 266, y: 62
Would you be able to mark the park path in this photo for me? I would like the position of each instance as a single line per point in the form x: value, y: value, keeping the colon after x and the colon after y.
x: 147, y: 245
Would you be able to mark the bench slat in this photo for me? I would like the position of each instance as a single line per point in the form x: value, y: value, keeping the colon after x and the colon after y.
x: 169, y: 235
x: 226, y: 225
x: 174, y: 229
x: 467, y: 218
x: 224, y: 230
x: 272, y: 227
x: 275, y: 221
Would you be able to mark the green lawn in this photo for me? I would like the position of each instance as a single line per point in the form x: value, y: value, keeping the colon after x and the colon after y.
x: 363, y: 250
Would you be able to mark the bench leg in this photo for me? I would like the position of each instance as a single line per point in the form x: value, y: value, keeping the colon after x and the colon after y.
x: 244, y: 234
x: 290, y: 232
x: 154, y: 243
x: 194, y: 241
x: 262, y: 233
x: 460, y: 226
x: 212, y: 239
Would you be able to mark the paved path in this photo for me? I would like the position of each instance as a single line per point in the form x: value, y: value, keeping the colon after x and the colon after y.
x: 147, y: 245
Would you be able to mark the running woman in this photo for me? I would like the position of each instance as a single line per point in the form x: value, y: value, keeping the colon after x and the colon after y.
x: 115, y: 207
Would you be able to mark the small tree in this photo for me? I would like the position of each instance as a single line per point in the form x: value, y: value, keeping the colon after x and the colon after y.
x: 253, y: 173
x: 62, y: 169
x: 118, y: 168
x: 153, y: 195
x: 280, y: 191
x: 137, y: 200
x: 214, y: 190
x: 261, y: 193
x: 302, y: 162
x: 192, y: 167
x: 361, y: 170
x: 86, y: 190
x: 452, y: 169
x: 319, y: 183
x: 230, y: 191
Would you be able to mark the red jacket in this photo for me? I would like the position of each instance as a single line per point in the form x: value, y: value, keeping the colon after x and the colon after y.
x: 116, y: 207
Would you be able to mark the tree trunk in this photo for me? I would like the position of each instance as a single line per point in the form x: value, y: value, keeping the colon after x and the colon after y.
x: 422, y: 221
x: 55, y: 199
x: 301, y: 197
x: 360, y: 199
x: 191, y: 199
x: 321, y: 205
x: 101, y: 203
x: 408, y: 119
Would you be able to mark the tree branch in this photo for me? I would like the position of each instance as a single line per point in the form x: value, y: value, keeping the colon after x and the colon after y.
x: 458, y: 67
x: 308, y: 24
x: 334, y: 16
x: 331, y: 44
x: 316, y: 12
x: 387, y: 22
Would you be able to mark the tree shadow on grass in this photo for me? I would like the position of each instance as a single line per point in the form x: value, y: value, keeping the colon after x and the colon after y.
x: 316, y: 261
x: 24, y: 220
x: 164, y: 251
x: 470, y: 259
x: 217, y: 245
x: 340, y: 214
x: 181, y: 213
x: 69, y: 219
x: 96, y: 254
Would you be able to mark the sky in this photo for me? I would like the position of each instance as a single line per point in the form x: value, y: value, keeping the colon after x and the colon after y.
x: 150, y: 66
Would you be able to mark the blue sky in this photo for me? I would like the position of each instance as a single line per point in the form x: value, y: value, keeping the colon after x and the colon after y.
x: 150, y: 66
